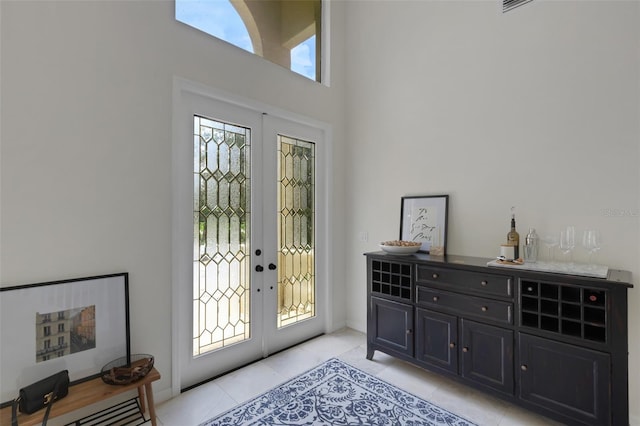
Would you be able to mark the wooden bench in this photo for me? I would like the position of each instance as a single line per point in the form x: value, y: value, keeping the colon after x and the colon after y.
x: 87, y: 393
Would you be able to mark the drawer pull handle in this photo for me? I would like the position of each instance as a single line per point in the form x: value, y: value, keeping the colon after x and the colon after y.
x: 465, y: 349
x: 435, y: 298
x: 523, y: 367
x: 452, y: 345
x: 435, y: 276
x: 484, y: 309
x: 484, y: 283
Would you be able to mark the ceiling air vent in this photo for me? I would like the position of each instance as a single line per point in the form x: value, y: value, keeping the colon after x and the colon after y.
x: 507, y: 5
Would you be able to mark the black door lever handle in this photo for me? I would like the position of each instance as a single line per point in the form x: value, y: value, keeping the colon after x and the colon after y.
x: 259, y: 268
x: 272, y: 267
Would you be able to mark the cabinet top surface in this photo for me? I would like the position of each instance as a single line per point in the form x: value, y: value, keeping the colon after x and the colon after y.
x: 615, y: 276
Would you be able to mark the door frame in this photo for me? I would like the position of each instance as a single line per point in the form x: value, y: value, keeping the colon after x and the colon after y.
x: 182, y: 247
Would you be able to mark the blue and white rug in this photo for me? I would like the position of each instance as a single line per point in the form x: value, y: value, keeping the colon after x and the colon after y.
x: 335, y: 393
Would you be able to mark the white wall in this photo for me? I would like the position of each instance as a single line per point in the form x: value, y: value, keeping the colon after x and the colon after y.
x: 441, y: 97
x: 86, y: 143
x: 537, y: 108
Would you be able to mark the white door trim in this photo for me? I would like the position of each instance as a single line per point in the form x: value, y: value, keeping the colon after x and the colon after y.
x: 182, y: 246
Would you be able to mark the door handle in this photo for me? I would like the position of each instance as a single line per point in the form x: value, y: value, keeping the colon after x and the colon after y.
x: 272, y: 267
x: 259, y: 268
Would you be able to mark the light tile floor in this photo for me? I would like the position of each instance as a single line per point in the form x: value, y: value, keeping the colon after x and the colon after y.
x: 208, y: 400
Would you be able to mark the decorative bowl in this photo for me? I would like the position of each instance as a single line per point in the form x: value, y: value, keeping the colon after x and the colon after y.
x: 118, y: 372
x: 400, y: 247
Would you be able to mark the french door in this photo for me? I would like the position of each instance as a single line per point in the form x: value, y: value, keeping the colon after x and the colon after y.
x: 246, y: 252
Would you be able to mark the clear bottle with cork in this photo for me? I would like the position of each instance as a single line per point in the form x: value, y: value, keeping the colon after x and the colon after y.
x: 513, y: 238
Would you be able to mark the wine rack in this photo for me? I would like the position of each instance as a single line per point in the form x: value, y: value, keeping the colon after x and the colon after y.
x: 572, y: 311
x: 391, y: 278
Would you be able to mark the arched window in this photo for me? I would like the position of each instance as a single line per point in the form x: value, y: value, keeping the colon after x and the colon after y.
x: 217, y: 18
x: 282, y: 31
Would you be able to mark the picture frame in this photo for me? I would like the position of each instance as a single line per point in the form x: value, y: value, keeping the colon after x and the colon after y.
x: 424, y: 219
x: 79, y: 325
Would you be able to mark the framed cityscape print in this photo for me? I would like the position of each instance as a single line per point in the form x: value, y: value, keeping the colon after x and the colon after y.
x: 77, y: 325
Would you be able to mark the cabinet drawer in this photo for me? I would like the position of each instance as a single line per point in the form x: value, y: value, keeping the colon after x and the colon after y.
x: 499, y: 285
x: 477, y: 307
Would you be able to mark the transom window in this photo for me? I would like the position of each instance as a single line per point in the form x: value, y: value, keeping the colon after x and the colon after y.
x: 285, y: 32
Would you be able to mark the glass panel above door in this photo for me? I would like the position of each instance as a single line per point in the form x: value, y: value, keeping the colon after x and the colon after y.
x: 284, y: 32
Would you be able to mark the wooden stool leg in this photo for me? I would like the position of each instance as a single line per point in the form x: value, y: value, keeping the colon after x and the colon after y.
x: 141, y: 397
x: 152, y: 408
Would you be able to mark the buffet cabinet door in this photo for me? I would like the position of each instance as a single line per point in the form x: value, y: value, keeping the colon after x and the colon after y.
x: 391, y: 325
x: 567, y: 379
x: 487, y: 355
x: 437, y: 340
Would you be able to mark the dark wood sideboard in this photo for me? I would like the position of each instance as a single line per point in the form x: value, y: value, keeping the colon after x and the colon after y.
x: 552, y: 343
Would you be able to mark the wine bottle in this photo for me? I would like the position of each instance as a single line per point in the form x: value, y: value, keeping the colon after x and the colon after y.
x: 513, y: 238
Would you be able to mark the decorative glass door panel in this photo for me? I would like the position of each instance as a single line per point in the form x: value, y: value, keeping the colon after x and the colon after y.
x: 222, y: 232
x: 296, y: 228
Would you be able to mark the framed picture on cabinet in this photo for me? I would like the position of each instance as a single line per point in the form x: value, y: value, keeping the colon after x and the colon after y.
x: 78, y: 325
x: 424, y: 219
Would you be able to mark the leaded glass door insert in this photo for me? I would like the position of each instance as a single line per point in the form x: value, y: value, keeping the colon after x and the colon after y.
x: 222, y: 232
x: 296, y: 230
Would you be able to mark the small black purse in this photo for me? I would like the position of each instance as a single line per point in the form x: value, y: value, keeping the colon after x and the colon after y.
x: 39, y: 395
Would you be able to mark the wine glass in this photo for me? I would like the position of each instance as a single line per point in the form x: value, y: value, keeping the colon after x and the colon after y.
x: 591, y: 242
x: 568, y: 242
x: 550, y: 241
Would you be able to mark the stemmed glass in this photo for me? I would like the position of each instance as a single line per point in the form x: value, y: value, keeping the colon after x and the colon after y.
x: 591, y: 242
x: 550, y: 241
x: 568, y: 242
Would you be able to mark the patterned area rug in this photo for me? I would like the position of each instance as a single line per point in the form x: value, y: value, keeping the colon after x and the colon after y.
x: 335, y: 393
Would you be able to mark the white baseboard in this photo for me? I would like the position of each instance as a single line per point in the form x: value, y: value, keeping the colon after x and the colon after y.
x: 358, y: 326
x: 162, y: 396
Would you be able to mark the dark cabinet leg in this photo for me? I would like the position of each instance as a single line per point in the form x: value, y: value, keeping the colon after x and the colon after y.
x: 370, y: 352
